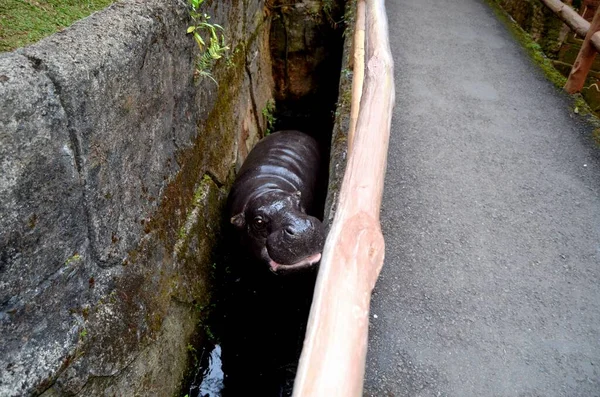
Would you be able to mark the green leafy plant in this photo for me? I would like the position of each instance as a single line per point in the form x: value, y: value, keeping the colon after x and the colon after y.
x: 269, y: 113
x: 205, y: 33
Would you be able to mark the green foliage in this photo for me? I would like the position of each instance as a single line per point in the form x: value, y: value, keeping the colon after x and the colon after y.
x: 269, y: 113
x: 533, y: 46
x: 205, y: 33
x: 23, y: 22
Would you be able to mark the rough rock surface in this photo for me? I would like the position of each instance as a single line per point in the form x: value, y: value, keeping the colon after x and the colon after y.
x: 306, y: 44
x: 113, y: 165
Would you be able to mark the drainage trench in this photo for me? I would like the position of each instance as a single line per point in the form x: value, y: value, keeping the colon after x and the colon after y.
x: 258, y: 319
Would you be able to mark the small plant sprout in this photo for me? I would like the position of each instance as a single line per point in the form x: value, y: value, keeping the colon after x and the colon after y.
x: 269, y: 113
x: 205, y: 33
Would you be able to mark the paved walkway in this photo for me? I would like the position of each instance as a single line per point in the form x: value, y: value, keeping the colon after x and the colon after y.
x: 491, y: 213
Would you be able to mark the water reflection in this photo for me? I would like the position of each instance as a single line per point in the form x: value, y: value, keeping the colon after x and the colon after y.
x: 260, y: 321
x: 210, y: 374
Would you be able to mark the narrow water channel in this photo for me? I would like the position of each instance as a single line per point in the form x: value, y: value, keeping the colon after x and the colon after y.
x: 259, y: 318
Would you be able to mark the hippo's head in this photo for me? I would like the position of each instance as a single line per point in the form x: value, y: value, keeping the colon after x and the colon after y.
x: 279, y: 231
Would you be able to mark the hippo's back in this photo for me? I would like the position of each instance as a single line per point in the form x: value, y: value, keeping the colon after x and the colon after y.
x: 285, y: 160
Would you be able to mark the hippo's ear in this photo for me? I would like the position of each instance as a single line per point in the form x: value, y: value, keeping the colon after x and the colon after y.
x: 238, y: 220
x: 297, y: 194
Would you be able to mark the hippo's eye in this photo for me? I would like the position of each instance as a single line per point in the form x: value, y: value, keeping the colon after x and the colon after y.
x: 259, y: 222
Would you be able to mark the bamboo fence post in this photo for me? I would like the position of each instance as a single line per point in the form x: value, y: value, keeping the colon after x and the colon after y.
x: 333, y: 359
x: 584, y: 60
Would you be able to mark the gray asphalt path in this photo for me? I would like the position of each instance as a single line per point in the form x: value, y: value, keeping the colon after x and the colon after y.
x: 491, y: 214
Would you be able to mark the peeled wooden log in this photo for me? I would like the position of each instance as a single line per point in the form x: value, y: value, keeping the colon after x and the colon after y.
x: 564, y: 29
x: 358, y: 70
x: 333, y: 359
x: 575, y: 21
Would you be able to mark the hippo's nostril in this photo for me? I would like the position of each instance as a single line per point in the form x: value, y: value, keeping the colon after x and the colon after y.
x: 289, y: 231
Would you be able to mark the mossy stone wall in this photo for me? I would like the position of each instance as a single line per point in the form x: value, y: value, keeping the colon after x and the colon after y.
x: 115, y: 163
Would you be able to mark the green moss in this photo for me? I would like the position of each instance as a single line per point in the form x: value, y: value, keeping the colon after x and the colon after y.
x: 533, y: 49
x: 201, y: 199
x: 579, y: 105
x: 191, y: 189
x: 24, y: 22
x: 596, y: 135
x: 349, y: 18
x: 346, y: 97
x: 552, y: 28
x: 213, y: 146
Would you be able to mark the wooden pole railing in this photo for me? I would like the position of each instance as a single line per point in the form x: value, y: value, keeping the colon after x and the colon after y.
x: 564, y: 30
x: 591, y: 44
x: 584, y: 60
x: 358, y: 70
x: 333, y: 358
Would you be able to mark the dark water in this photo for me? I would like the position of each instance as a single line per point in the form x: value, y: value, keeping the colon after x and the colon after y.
x: 259, y: 320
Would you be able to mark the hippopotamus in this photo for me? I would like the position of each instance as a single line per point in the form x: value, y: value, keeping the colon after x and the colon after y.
x: 271, y: 202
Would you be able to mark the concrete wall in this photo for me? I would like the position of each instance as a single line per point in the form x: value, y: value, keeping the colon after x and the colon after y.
x: 114, y: 163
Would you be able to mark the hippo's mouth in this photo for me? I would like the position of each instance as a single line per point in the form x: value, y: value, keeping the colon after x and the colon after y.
x: 301, y: 264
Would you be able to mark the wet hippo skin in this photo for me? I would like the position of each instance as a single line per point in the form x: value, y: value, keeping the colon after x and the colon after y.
x: 271, y: 202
